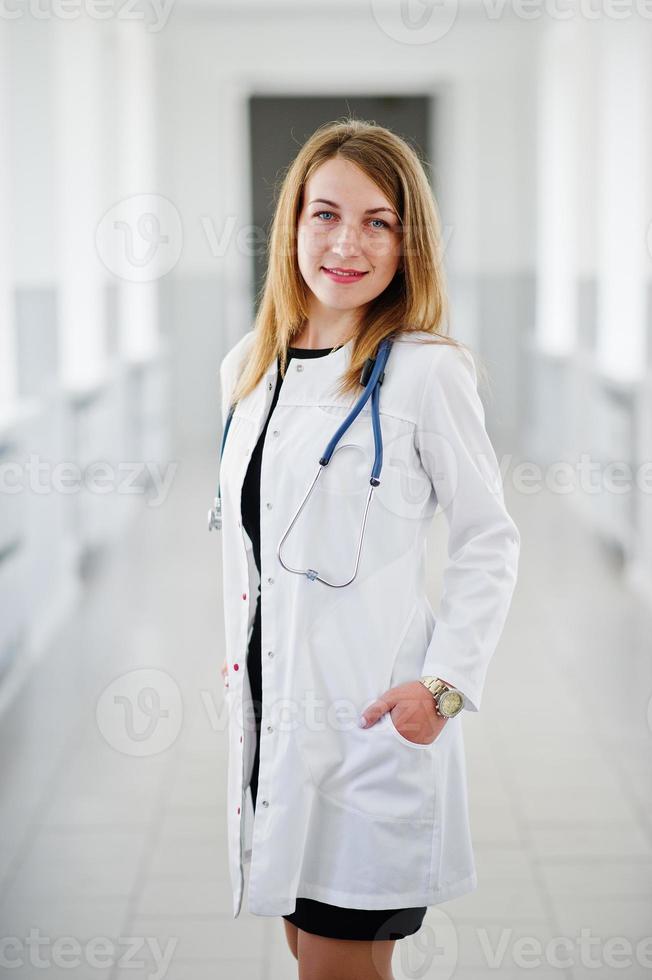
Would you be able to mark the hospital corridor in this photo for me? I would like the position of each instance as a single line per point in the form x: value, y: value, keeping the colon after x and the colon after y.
x: 143, y: 152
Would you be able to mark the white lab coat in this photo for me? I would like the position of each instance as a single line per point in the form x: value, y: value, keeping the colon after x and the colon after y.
x: 363, y: 818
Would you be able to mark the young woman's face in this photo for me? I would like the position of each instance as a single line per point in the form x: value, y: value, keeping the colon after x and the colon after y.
x: 346, y: 225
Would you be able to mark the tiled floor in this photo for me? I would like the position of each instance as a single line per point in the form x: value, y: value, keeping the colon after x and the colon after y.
x: 102, y: 845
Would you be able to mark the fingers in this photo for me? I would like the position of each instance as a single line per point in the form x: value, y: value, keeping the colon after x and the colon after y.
x: 375, y: 711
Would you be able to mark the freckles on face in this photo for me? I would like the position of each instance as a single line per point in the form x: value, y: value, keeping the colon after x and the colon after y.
x: 323, y: 234
x: 334, y: 241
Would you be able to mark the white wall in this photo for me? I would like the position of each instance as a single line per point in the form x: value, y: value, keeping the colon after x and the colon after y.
x: 8, y: 365
x: 76, y: 105
x: 590, y: 371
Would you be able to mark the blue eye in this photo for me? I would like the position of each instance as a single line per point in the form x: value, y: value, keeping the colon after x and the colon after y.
x: 384, y: 224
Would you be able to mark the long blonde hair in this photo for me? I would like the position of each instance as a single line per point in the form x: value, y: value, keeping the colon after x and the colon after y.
x: 414, y: 301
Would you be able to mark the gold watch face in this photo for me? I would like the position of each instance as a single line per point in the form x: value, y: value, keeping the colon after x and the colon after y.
x: 450, y: 703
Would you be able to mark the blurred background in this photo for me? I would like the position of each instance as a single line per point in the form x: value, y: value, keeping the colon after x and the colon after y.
x: 141, y: 148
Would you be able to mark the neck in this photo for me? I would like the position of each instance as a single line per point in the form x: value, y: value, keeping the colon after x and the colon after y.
x: 318, y: 340
x: 319, y: 332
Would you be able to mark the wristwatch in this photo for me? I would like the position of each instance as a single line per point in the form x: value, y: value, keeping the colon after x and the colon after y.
x: 448, y: 700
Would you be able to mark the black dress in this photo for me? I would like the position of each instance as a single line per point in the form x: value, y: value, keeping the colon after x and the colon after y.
x: 319, y: 918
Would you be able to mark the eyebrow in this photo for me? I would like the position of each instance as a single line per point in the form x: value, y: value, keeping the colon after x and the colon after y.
x: 322, y: 200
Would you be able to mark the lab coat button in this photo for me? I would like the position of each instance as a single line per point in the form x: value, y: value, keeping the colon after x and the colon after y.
x: 244, y: 595
x: 238, y: 809
x: 269, y: 506
x: 236, y: 666
x: 270, y: 653
x: 276, y: 432
x: 265, y: 802
x: 269, y: 385
x: 270, y: 580
x: 241, y: 738
x: 299, y: 367
x: 269, y: 728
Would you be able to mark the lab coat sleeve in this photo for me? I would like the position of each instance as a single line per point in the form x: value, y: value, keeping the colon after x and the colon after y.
x: 230, y: 368
x: 483, y: 542
x: 226, y: 389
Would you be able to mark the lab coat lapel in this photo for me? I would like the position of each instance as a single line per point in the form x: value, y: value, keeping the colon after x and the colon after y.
x: 307, y: 381
x: 314, y: 380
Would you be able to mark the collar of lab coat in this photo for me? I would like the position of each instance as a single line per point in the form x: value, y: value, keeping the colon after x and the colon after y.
x: 314, y: 384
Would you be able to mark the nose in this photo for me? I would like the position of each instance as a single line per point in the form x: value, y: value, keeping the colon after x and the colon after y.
x: 345, y: 241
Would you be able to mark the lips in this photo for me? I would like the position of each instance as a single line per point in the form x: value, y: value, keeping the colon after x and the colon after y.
x: 343, y: 275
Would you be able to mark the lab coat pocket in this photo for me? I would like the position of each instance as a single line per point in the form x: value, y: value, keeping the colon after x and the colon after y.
x: 374, y: 771
x: 404, y: 772
x: 402, y: 738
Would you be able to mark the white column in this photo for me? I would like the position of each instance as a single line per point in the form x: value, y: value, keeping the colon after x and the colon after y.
x: 457, y: 151
x: 78, y: 183
x: 586, y: 137
x: 137, y: 175
x: 557, y: 189
x: 624, y: 163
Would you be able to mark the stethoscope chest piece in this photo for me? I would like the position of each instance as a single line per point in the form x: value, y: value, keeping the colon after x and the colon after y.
x: 215, y: 515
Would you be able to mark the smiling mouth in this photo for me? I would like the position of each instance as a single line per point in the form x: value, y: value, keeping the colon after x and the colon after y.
x: 345, y: 273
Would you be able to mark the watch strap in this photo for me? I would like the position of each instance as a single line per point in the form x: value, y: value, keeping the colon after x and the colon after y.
x: 437, y: 687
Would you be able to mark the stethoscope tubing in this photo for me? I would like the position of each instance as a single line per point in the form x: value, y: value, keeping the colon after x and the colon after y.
x: 371, y: 391
x: 372, y: 384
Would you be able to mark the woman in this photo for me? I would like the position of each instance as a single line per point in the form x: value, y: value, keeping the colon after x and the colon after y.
x: 353, y: 830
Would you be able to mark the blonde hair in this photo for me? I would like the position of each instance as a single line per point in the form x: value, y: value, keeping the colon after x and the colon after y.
x: 414, y: 301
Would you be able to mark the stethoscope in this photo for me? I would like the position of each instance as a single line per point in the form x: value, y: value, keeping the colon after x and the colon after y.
x: 371, y: 379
